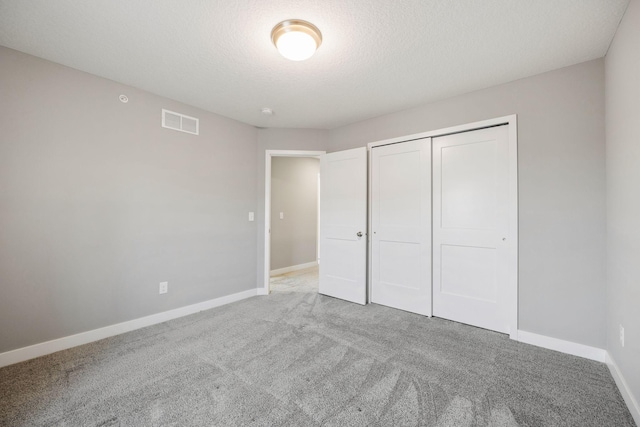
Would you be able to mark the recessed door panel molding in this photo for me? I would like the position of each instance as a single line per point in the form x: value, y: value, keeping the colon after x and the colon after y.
x: 468, y: 174
x: 343, y: 225
x: 400, y: 264
x: 457, y: 265
x: 471, y: 228
x: 395, y: 207
x: 401, y: 226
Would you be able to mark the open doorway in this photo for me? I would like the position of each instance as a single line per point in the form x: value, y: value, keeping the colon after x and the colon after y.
x: 291, y: 219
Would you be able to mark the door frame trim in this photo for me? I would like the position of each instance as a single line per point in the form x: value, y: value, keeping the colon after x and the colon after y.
x: 269, y: 154
x: 512, y: 122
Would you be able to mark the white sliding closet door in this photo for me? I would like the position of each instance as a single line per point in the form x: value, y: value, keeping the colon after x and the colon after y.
x: 401, y: 226
x: 343, y: 225
x: 470, y: 228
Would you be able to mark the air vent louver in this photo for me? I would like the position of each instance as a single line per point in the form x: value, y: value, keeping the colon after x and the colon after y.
x: 180, y: 122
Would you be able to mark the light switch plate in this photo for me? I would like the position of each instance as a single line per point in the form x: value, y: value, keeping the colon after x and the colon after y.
x: 164, y: 287
x: 251, y: 216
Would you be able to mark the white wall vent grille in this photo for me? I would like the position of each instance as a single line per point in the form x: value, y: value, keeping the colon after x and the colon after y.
x: 180, y: 122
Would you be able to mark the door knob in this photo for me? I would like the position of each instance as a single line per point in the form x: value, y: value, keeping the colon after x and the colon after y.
x: 359, y: 234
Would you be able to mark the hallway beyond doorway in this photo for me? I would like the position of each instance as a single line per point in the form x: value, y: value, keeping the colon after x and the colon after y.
x: 296, y: 281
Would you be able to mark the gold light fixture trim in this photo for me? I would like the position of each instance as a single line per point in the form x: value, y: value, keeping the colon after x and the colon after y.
x: 296, y: 39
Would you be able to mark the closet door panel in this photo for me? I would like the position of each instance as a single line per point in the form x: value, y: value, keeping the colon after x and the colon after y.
x: 470, y: 228
x: 401, y: 226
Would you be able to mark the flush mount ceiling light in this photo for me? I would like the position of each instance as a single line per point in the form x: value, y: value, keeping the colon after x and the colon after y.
x: 296, y: 39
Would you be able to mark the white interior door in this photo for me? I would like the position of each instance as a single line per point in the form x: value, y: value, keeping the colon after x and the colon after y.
x: 401, y: 226
x: 343, y: 225
x: 470, y: 228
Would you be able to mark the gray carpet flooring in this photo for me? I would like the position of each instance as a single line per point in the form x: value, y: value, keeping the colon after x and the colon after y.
x: 296, y: 358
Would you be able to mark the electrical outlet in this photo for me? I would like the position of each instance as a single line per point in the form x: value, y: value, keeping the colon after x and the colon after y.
x: 251, y: 216
x: 281, y: 215
x: 164, y: 287
x: 622, y: 335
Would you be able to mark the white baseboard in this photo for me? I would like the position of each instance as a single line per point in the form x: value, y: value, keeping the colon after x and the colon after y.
x: 48, y: 347
x: 284, y: 270
x: 593, y: 353
x: 625, y: 391
x: 562, y: 346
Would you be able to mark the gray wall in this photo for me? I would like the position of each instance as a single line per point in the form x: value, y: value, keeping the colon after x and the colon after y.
x: 561, y: 188
x: 294, y: 192
x: 98, y: 204
x: 280, y: 139
x: 623, y: 196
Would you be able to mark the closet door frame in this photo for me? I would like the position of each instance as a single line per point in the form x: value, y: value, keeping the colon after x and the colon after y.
x: 512, y: 237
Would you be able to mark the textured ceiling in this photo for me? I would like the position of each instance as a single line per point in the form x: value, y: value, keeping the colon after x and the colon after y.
x: 377, y: 57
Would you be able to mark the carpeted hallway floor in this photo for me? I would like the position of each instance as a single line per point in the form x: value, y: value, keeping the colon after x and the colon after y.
x: 296, y: 358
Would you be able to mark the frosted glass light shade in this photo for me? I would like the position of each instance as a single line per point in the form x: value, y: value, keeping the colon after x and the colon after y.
x: 295, y: 39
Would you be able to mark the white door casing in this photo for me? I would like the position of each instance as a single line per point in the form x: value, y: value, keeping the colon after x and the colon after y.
x: 471, y: 228
x: 269, y: 154
x: 401, y: 226
x: 343, y: 225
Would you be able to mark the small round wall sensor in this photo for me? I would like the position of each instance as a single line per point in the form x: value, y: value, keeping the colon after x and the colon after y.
x: 267, y: 111
x: 124, y: 99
